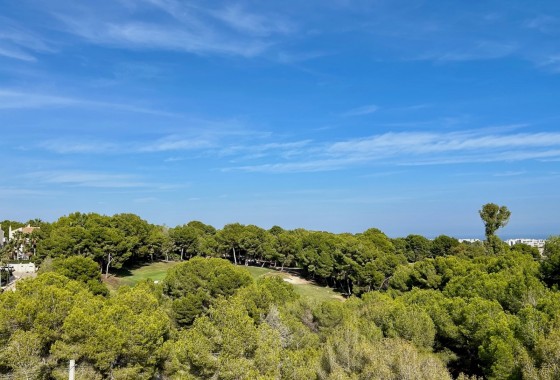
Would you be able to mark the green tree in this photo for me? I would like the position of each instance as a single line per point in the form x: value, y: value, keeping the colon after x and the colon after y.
x: 186, y: 239
x: 230, y: 240
x: 550, y: 266
x: 23, y: 355
x: 195, y: 285
x: 494, y: 217
x: 526, y: 249
x: 443, y: 245
x: 123, y: 337
x: 82, y: 269
x: 287, y: 245
x: 417, y: 248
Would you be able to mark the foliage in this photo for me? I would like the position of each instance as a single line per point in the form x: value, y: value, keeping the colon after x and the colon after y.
x: 494, y: 217
x: 82, y: 269
x: 551, y: 266
x: 196, y: 284
x: 416, y: 308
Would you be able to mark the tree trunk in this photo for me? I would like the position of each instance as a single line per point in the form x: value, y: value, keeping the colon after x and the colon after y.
x: 182, y: 250
x: 109, y: 260
x: 234, y: 256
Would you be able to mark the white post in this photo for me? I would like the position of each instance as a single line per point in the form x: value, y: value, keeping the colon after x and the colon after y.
x: 71, y: 369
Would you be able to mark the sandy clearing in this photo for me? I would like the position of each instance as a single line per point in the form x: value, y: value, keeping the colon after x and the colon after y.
x: 295, y: 280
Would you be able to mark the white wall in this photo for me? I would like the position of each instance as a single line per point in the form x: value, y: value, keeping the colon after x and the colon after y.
x: 24, y: 268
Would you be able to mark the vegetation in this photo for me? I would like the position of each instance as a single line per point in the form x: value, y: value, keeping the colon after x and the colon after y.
x: 416, y: 308
x: 155, y: 271
x: 494, y: 217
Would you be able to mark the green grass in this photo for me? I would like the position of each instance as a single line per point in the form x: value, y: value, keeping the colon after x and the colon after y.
x: 158, y: 270
x: 317, y: 293
x: 154, y: 271
x: 258, y: 272
x: 309, y: 290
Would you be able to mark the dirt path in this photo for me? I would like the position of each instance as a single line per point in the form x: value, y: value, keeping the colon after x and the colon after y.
x: 294, y: 280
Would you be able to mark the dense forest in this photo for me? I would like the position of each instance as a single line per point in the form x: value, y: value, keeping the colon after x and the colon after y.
x: 415, y: 309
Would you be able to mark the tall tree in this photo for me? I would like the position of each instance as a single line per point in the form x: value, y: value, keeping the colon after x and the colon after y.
x: 550, y: 267
x: 494, y: 217
x: 230, y: 238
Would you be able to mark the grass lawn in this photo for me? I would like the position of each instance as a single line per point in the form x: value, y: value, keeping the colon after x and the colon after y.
x: 158, y: 270
x: 154, y: 271
x: 317, y: 293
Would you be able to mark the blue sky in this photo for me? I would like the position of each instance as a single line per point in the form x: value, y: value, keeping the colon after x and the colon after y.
x: 329, y: 115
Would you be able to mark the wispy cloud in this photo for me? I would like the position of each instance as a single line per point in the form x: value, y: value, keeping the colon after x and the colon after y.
x: 419, y: 148
x: 224, y: 144
x: 510, y: 173
x: 282, y: 149
x: 402, y: 148
x: 145, y: 200
x: 419, y: 30
x: 235, y: 16
x: 292, y: 57
x: 17, y: 99
x: 17, y: 192
x: 16, y: 53
x: 165, y: 144
x: 175, y: 143
x: 87, y: 179
x: 426, y: 143
x: 475, y: 51
x: 297, y: 167
x: 551, y: 62
x: 74, y: 146
x: 229, y: 30
x: 360, y: 111
x: 544, y: 23
x: 19, y: 43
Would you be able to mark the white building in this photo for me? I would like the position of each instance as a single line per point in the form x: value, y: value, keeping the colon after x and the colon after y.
x: 468, y: 240
x: 538, y: 243
x: 24, y: 230
x: 26, y: 247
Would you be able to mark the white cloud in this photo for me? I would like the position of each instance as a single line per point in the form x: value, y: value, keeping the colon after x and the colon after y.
x: 544, y: 24
x: 175, y: 143
x: 427, y: 142
x: 364, y: 110
x: 17, y: 99
x: 87, y: 179
x: 254, y: 24
x: 297, y: 167
x: 510, y: 173
x: 418, y: 148
x: 550, y: 62
x: 12, y: 52
x: 66, y: 146
x: 475, y: 51
x: 231, y: 30
x: 20, y: 43
x: 252, y: 151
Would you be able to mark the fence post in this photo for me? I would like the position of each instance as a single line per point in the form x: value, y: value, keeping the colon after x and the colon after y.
x: 71, y: 369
